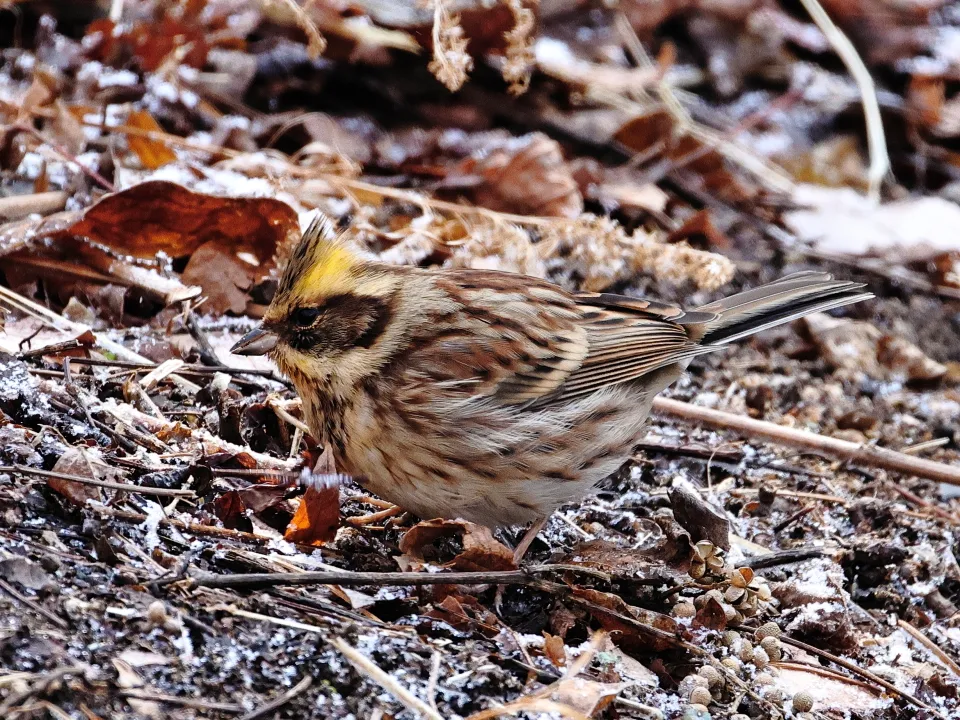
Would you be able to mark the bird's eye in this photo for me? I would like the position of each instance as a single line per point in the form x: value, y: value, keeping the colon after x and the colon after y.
x: 305, y: 317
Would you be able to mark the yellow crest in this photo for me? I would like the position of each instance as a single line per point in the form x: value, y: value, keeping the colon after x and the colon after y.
x: 318, y: 265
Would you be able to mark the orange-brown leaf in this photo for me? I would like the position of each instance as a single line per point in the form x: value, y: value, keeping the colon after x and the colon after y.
x: 317, y: 517
x: 152, y: 153
x: 481, y: 551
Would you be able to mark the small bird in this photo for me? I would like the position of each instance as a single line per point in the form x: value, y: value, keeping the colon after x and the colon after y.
x: 489, y: 396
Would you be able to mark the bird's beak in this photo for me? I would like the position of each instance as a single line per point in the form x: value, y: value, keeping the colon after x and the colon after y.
x: 256, y: 342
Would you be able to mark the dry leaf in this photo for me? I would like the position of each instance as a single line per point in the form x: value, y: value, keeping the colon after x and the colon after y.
x: 152, y: 153
x: 554, y: 649
x: 317, y: 517
x: 525, y: 175
x: 232, y: 241
x: 481, y: 551
x: 610, y: 611
x: 77, y: 461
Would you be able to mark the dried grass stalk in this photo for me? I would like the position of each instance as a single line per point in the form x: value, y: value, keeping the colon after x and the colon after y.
x: 451, y: 63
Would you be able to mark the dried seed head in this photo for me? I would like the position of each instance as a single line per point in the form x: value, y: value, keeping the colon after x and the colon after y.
x: 741, y: 577
x: 705, y: 549
x: 803, y: 702
x: 699, y: 681
x: 763, y: 592
x: 696, y: 711
x: 734, y: 594
x: 770, y: 629
x: 733, y: 664
x: 764, y: 679
x: 729, y: 612
x: 773, y: 694
x: 730, y: 638
x: 157, y: 613
x: 773, y: 647
x: 701, y: 696
x: 745, y: 651
x: 712, y: 675
x: 697, y: 569
x: 684, y: 610
x: 760, y: 657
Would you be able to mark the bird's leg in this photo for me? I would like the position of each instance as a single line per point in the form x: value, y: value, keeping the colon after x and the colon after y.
x: 528, y: 537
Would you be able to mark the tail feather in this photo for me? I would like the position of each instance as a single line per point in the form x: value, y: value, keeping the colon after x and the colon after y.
x: 779, y: 302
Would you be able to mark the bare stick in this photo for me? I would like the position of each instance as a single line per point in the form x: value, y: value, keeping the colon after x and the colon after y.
x: 867, y: 455
x: 109, y: 485
x: 346, y: 577
x: 876, y: 140
x: 281, y: 700
x: 19, y: 206
x: 365, y: 666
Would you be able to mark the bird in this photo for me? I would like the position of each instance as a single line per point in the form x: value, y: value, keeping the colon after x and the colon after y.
x: 489, y: 396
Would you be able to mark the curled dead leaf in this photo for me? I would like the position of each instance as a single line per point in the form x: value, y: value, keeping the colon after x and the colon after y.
x: 232, y: 243
x: 481, y: 551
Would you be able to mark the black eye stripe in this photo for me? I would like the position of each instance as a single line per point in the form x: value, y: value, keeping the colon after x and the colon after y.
x: 305, y: 317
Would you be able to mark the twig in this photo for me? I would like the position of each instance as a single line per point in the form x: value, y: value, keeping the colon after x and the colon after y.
x: 193, y: 528
x: 876, y: 139
x: 947, y: 661
x: 66, y: 155
x: 35, y: 606
x: 847, y: 665
x: 109, y: 485
x: 189, y: 702
x: 43, y: 682
x: 252, y: 581
x: 869, y: 456
x: 280, y: 700
x: 365, y: 666
x: 44, y: 203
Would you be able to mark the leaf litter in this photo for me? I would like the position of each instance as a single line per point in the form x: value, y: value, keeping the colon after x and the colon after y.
x: 155, y: 167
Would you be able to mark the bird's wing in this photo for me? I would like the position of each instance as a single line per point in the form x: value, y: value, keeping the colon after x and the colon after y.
x: 524, y: 341
x: 628, y: 338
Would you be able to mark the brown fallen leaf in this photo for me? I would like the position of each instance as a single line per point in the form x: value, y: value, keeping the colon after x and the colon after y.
x: 611, y: 610
x: 152, y: 153
x: 80, y: 462
x: 232, y: 243
x: 481, y: 551
x: 526, y: 175
x: 554, y: 649
x: 318, y: 515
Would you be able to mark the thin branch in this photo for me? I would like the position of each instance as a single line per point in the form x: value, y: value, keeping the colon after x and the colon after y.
x: 852, y: 667
x: 876, y: 139
x: 109, y: 485
x: 252, y: 581
x: 931, y: 646
x: 365, y: 666
x: 867, y: 455
x: 280, y: 700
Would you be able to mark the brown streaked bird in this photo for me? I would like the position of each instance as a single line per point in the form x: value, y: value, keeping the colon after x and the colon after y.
x: 489, y: 396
